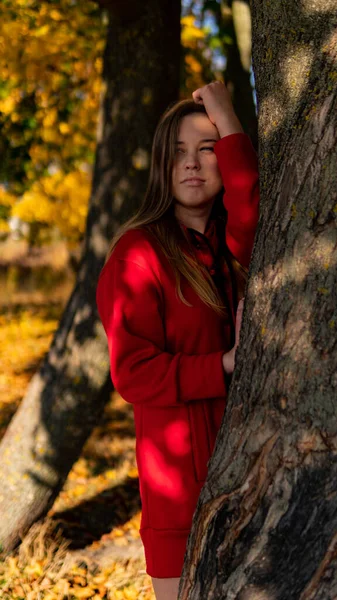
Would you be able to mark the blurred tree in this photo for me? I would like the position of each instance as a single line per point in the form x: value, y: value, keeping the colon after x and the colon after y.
x: 236, y: 25
x: 216, y: 41
x: 234, y: 40
x: 266, y: 521
x: 66, y: 397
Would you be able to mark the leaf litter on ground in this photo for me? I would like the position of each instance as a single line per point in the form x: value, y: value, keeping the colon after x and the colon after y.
x: 88, y: 545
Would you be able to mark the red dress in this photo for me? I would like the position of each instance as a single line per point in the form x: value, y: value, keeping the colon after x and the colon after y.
x: 166, y: 359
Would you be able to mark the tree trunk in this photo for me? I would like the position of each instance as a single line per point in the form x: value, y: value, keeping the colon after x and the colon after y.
x: 266, y: 521
x: 66, y: 397
x: 237, y: 17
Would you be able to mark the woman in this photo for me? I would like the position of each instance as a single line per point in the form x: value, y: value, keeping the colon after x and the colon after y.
x: 168, y: 296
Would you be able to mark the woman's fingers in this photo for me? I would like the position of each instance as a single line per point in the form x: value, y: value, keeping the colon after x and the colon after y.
x: 196, y: 95
x: 216, y: 99
x: 238, y: 321
x: 210, y: 91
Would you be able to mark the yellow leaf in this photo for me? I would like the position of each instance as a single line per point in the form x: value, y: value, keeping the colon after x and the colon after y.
x: 34, y: 569
x: 79, y: 490
x: 133, y: 473
x: 4, y: 227
x: 7, y: 105
x: 7, y: 199
x: 118, y: 532
x: 193, y: 64
x: 55, y: 15
x: 50, y: 118
x: 188, y: 20
x: 41, y: 31
x: 190, y: 32
x: 131, y: 593
x: 64, y: 128
x: 49, y: 135
x: 80, y: 592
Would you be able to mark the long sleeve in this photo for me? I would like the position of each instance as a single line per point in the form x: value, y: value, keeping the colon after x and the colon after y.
x: 129, y: 301
x: 239, y: 171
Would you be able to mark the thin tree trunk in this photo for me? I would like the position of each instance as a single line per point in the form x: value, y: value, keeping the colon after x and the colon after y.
x: 266, y: 522
x: 66, y: 397
x: 237, y: 16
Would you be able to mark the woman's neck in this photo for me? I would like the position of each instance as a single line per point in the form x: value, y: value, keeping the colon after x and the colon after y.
x: 195, y: 218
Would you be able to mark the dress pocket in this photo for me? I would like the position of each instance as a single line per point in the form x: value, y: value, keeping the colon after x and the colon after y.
x: 199, y: 439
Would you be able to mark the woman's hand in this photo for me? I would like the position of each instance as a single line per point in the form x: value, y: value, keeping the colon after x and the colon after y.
x: 218, y: 104
x: 228, y: 359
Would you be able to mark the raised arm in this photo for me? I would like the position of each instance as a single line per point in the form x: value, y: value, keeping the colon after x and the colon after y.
x: 239, y: 170
x: 238, y: 166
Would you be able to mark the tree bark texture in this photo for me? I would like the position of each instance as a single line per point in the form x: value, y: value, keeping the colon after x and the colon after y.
x: 66, y: 397
x: 266, y: 522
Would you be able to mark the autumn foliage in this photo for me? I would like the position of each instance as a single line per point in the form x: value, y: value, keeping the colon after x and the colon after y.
x: 50, y: 81
x: 51, y: 57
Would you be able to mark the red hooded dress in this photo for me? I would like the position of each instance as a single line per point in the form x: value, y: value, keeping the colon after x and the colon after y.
x: 166, y: 359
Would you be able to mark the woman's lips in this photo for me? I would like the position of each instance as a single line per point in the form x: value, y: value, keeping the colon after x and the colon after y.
x: 194, y: 181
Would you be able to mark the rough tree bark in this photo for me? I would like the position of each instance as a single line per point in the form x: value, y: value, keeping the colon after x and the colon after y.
x: 66, y: 397
x: 266, y: 522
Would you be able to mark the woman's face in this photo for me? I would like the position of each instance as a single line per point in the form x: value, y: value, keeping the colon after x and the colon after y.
x: 196, y: 178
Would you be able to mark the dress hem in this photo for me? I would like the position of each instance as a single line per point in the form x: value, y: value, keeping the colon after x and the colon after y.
x: 164, y: 551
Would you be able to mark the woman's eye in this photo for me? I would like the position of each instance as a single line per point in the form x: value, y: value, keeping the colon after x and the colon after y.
x: 207, y: 148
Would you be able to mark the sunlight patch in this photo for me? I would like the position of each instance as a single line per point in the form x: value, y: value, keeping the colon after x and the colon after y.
x: 272, y: 112
x: 296, y: 68
x: 318, y: 6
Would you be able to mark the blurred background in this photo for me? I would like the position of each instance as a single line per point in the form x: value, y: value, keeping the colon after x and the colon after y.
x: 51, y: 64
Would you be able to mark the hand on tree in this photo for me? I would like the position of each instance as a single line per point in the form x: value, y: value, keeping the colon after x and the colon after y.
x: 217, y: 101
x: 228, y: 359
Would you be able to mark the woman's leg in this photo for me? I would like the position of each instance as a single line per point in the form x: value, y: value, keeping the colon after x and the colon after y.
x: 166, y: 589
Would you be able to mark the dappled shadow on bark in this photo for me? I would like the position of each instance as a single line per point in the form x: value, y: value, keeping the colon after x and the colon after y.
x: 111, y: 444
x: 270, y: 530
x: 6, y: 412
x: 287, y: 102
x: 89, y: 520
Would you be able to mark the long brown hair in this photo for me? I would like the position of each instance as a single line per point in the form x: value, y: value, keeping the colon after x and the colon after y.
x: 156, y: 214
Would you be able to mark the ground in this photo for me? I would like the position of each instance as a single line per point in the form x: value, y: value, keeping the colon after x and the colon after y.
x: 89, y: 545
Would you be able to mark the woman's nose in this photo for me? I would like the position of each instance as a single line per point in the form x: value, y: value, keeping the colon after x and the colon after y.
x: 192, y: 162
